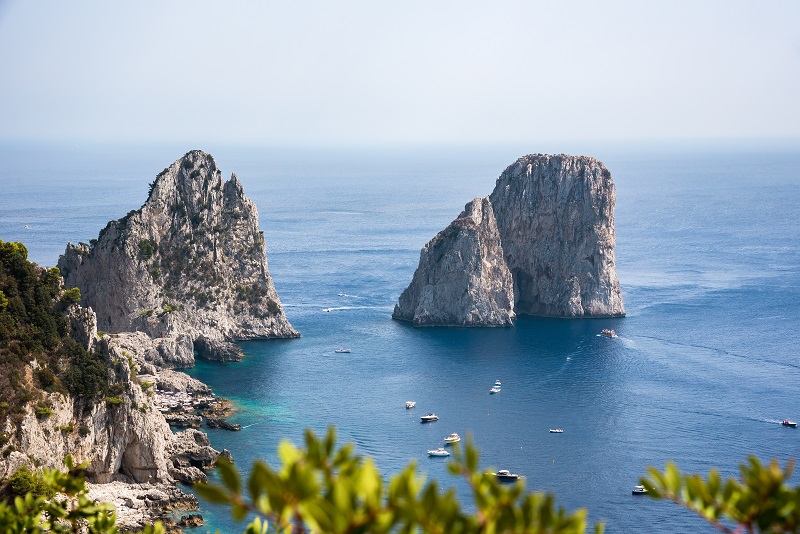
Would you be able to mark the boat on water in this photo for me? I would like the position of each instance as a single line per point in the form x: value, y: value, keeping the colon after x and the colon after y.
x: 452, y: 438
x: 608, y: 332
x: 342, y: 351
x: 410, y: 404
x: 497, y: 383
x: 429, y: 417
x: 495, y: 389
x: 639, y: 490
x: 504, y: 475
x: 557, y: 430
x: 786, y: 422
x: 441, y: 451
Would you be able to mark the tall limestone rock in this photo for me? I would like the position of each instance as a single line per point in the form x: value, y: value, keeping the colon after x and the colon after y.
x: 549, y: 223
x: 462, y: 278
x: 189, y: 266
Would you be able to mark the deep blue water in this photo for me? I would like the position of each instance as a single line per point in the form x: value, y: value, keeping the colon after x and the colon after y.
x: 705, y: 367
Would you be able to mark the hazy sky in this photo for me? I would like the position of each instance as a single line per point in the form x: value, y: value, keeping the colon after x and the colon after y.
x: 414, y: 71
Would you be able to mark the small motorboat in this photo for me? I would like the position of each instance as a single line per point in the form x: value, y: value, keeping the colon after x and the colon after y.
x: 441, y: 451
x: 639, y: 490
x: 497, y: 383
x: 342, y: 351
x: 428, y: 417
x: 557, y: 430
x: 452, y: 438
x: 495, y: 389
x: 608, y: 332
x: 410, y: 404
x: 504, y: 475
x: 786, y: 422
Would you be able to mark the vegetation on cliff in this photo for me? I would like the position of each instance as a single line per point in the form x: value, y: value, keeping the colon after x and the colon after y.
x: 36, y: 353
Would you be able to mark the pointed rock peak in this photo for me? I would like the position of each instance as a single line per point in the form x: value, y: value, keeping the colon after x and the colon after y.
x: 235, y: 183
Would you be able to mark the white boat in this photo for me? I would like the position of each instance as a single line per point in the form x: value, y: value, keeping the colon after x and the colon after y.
x: 452, y: 438
x: 497, y: 383
x: 495, y: 389
x: 429, y: 417
x: 504, y: 475
x: 639, y: 490
x: 410, y: 404
x: 786, y: 422
x: 342, y: 351
x: 607, y: 332
x: 438, y: 452
x: 557, y: 430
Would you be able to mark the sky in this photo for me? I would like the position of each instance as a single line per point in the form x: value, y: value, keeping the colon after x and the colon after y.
x: 367, y: 72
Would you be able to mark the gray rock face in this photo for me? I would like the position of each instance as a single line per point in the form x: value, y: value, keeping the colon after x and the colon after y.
x: 541, y: 244
x: 462, y: 278
x: 555, y: 215
x: 191, y: 262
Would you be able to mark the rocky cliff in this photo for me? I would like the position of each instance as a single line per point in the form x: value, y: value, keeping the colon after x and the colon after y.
x: 553, y: 219
x: 188, y: 268
x: 462, y: 278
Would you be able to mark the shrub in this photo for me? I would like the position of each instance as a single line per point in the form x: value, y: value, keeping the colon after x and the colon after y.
x: 71, y: 296
x: 146, y: 249
x: 24, y: 481
x: 114, y: 400
x: 43, y: 411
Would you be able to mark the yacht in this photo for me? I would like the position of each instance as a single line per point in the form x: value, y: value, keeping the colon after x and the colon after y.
x: 639, y: 490
x: 429, y: 417
x: 557, y: 430
x: 438, y: 452
x: 608, y: 332
x: 342, y: 351
x: 495, y: 389
x: 410, y: 404
x: 452, y: 438
x: 504, y: 475
x: 786, y: 422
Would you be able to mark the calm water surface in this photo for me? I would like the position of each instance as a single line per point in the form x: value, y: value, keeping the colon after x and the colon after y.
x: 705, y: 366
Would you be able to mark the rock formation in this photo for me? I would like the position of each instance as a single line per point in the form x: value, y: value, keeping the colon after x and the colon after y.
x: 462, y: 278
x: 189, y: 266
x: 553, y: 221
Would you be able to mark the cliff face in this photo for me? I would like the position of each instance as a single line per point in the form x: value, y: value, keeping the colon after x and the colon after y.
x: 462, y: 278
x: 541, y: 244
x: 555, y: 215
x: 190, y: 265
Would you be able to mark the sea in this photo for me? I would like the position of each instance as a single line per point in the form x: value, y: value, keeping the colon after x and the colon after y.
x: 705, y: 366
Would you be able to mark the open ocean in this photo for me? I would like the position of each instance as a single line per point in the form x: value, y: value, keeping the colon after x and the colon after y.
x: 706, y: 364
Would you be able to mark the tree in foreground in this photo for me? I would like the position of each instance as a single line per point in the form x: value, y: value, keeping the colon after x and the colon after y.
x: 325, y: 489
x: 760, y: 502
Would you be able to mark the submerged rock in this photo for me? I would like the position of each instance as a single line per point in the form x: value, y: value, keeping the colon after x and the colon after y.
x: 190, y: 262
x: 541, y: 244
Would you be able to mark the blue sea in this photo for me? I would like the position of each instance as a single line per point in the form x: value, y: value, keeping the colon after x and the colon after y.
x: 706, y: 364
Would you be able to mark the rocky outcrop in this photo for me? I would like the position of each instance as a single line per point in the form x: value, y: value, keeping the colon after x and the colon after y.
x: 139, y: 505
x: 462, y: 278
x: 555, y: 215
x: 189, y: 264
x: 549, y: 223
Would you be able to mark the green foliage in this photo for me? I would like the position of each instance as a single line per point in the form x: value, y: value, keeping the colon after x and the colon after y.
x: 132, y: 366
x: 43, y: 411
x: 327, y: 489
x: 760, y: 502
x: 35, y: 511
x: 87, y: 376
x: 71, y: 296
x: 113, y: 400
x: 3, y: 301
x: 23, y: 481
x: 146, y: 249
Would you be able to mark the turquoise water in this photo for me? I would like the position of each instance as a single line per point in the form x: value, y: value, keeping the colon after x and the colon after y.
x: 705, y: 366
